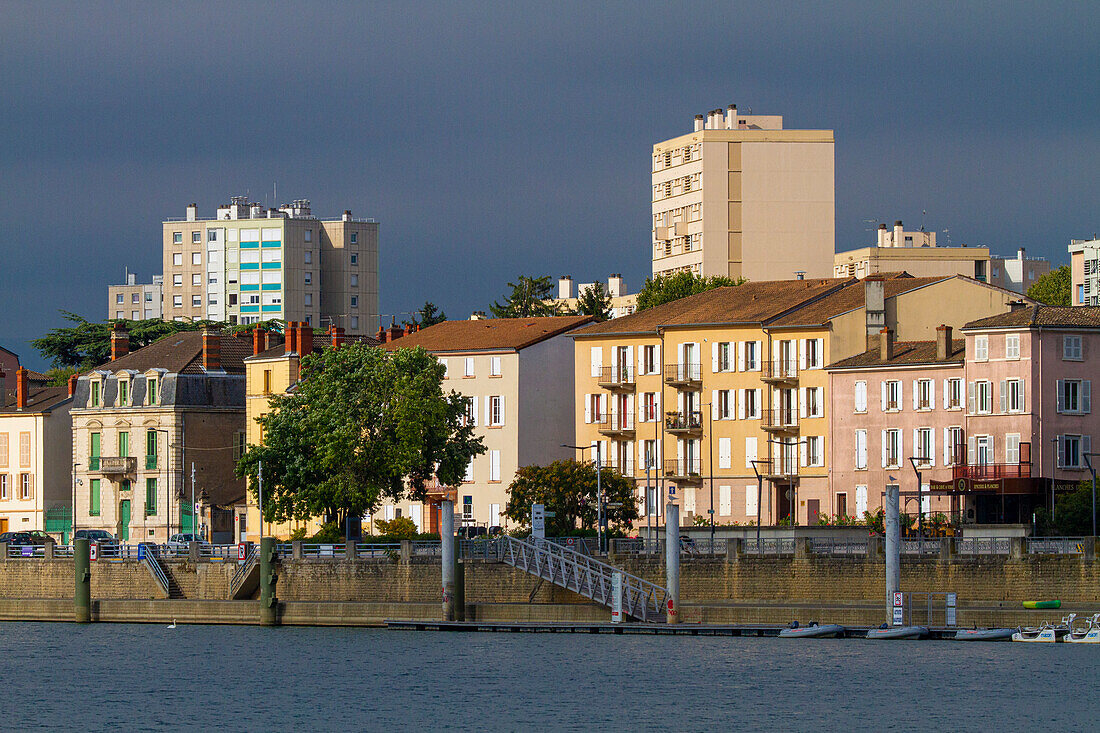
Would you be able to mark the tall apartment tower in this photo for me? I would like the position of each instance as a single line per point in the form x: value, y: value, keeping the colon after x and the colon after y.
x: 251, y: 263
x: 740, y: 196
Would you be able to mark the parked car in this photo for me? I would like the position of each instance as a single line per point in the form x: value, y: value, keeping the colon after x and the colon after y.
x: 98, y: 536
x: 39, y: 537
x: 183, y: 539
x: 17, y: 538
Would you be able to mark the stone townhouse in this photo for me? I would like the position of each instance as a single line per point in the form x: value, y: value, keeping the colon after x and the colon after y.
x: 155, y: 426
x: 721, y: 400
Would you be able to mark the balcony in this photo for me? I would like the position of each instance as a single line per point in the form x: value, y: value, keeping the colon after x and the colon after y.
x: 616, y: 378
x: 779, y: 469
x: 684, y: 423
x: 623, y: 468
x: 684, y: 470
x: 992, y: 471
x: 779, y: 371
x: 783, y: 420
x: 116, y: 465
x: 617, y: 424
x: 685, y: 376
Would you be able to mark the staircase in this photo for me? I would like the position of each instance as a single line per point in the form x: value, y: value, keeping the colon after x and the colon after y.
x: 584, y: 576
x: 164, y: 579
x: 247, y: 578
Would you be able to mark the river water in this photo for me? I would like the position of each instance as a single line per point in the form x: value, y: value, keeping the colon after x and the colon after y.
x: 141, y: 677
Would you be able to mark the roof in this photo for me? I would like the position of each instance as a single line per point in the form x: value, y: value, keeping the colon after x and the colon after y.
x: 488, y: 333
x: 906, y: 353
x: 320, y: 341
x: 850, y: 298
x: 1042, y: 316
x: 181, y: 353
x: 752, y: 302
x: 39, y: 399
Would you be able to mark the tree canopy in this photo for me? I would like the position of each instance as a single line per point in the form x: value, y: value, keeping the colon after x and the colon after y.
x: 662, y: 289
x: 568, y: 488
x: 1052, y: 288
x: 594, y: 301
x: 1072, y: 514
x: 429, y: 315
x: 87, y: 344
x: 363, y: 425
x: 530, y: 296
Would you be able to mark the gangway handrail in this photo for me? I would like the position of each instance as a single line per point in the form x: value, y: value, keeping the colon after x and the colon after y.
x: 244, y: 569
x: 149, y: 557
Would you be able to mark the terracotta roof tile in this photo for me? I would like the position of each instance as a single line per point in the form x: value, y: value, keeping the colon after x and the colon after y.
x: 38, y: 399
x: 488, y: 333
x: 181, y: 353
x: 1047, y: 316
x: 320, y: 341
x: 906, y: 353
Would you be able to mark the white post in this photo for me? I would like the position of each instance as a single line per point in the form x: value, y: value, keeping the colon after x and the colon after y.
x: 260, y: 495
x: 447, y: 538
x: 672, y: 561
x: 893, y: 548
x: 194, y: 519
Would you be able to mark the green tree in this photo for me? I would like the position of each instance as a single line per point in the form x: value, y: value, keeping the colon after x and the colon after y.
x: 363, y: 425
x: 1072, y: 514
x: 59, y: 376
x: 1052, y: 288
x: 401, y: 528
x: 662, y: 289
x: 530, y: 297
x: 568, y: 488
x: 594, y: 301
x: 429, y: 315
x: 88, y: 344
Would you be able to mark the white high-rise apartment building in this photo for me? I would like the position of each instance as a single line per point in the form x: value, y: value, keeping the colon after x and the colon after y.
x: 740, y: 196
x: 250, y: 263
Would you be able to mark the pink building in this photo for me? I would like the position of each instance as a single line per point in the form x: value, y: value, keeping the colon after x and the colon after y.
x: 1011, y: 423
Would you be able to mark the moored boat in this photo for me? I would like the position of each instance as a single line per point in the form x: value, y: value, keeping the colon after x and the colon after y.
x: 1088, y: 635
x: 1045, y: 634
x: 984, y: 634
x: 813, y: 631
x: 1043, y: 604
x: 898, y: 632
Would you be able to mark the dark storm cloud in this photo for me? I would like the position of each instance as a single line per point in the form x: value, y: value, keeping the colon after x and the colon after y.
x: 494, y: 139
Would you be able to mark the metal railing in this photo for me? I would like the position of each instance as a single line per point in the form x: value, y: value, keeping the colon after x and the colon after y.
x: 683, y: 467
x: 769, y: 546
x: 779, y: 467
x: 250, y: 560
x: 616, y: 422
x: 983, y: 545
x: 779, y: 369
x: 427, y: 548
x: 682, y: 421
x: 149, y: 557
x: 920, y: 546
x: 616, y: 376
x: 990, y: 471
x: 683, y: 373
x: 837, y: 548
x: 780, y: 419
x: 1055, y: 545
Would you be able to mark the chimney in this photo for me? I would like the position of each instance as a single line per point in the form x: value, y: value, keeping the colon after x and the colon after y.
x: 337, y: 335
x: 565, y: 286
x: 120, y: 341
x: 616, y: 287
x: 305, y: 339
x: 72, y: 384
x: 899, y: 234
x: 409, y: 329
x: 346, y: 216
x: 882, y: 234
x: 1021, y: 254
x: 259, y: 341
x: 211, y: 350
x: 21, y: 388
x: 381, y: 335
x: 943, y: 342
x: 698, y: 123
x: 874, y: 298
x: 395, y: 332
x: 192, y: 212
x: 1016, y: 305
x: 886, y: 345
x: 731, y: 117
x: 290, y: 334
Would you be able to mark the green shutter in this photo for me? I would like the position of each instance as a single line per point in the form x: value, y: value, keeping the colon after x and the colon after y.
x: 93, y: 460
x: 150, y: 497
x: 124, y: 444
x: 150, y: 449
x: 123, y: 393
x: 94, y: 507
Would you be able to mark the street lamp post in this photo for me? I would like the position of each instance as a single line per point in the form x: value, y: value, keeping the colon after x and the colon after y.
x: 72, y: 515
x: 915, y: 462
x: 599, y: 490
x: 1092, y: 470
x: 759, y: 498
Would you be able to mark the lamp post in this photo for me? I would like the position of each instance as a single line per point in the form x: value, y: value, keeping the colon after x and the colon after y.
x: 915, y: 462
x: 72, y: 515
x: 1092, y: 470
x: 1053, y: 474
x: 759, y: 497
x: 793, y: 490
x: 599, y: 490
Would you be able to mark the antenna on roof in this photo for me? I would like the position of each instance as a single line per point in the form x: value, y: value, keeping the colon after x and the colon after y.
x: 923, y: 213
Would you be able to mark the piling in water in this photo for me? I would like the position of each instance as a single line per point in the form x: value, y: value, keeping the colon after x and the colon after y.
x: 82, y: 596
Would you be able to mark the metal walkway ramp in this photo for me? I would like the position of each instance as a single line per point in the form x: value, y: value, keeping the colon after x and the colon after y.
x: 584, y: 575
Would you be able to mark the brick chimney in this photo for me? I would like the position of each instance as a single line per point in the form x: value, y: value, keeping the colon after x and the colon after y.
x: 337, y: 335
x: 120, y: 341
x: 259, y: 340
x: 290, y: 334
x: 943, y: 342
x: 874, y: 301
x: 211, y: 350
x: 72, y: 384
x: 21, y: 389
x: 394, y: 332
x: 886, y: 345
x: 409, y: 329
x: 381, y: 335
x: 305, y: 339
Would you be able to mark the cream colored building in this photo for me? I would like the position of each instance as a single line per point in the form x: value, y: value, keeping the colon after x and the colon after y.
x: 1084, y: 265
x: 699, y: 389
x: 916, y: 253
x: 740, y: 196
x: 622, y: 302
x: 517, y: 374
x: 134, y: 301
x: 1017, y: 273
x: 250, y: 264
x: 36, y: 454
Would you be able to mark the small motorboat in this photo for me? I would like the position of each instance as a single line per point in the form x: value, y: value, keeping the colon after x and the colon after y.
x: 898, y: 632
x: 1046, y: 633
x: 984, y: 634
x: 813, y: 631
x: 1088, y: 635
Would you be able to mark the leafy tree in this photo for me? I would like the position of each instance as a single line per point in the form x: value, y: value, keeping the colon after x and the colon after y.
x: 429, y: 315
x: 363, y: 425
x: 272, y: 325
x: 401, y: 528
x: 87, y: 344
x: 529, y: 297
x: 1052, y: 288
x: 568, y: 488
x: 595, y: 301
x: 1072, y: 514
x: 59, y: 376
x: 663, y: 289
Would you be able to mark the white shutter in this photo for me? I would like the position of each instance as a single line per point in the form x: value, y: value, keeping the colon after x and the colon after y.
x: 947, y: 446
x: 695, y: 372
x: 588, y: 409
x: 801, y: 343
x: 473, y: 410
x: 629, y: 366
x: 740, y: 407
x: 884, y: 449
x: 725, y: 501
x: 803, y: 450
x: 494, y: 465
x: 971, y: 450
x: 1086, y: 447
x: 820, y: 353
x: 641, y: 360
x: 488, y: 411
x: 931, y: 394
x: 861, y: 500
x: 884, y: 396
x: 502, y: 413
x: 724, y: 453
x: 658, y: 355
x: 916, y: 394
x: 946, y: 391
x: 759, y: 355
x: 1059, y: 403
x: 1004, y: 396
x: 802, y: 402
x: 657, y: 406
x: 1086, y: 396
x: 916, y: 442
x: 750, y: 451
x: 861, y: 449
x: 971, y: 400
x: 1023, y: 395
x: 751, y: 500
x: 758, y: 405
x: 735, y: 401
x: 714, y: 357
x: 714, y: 404
x: 740, y: 356
x: 597, y: 360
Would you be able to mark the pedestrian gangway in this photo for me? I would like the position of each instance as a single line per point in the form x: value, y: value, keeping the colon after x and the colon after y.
x: 584, y: 576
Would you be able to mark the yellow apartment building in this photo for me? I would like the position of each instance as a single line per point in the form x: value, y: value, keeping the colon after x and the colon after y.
x: 720, y: 401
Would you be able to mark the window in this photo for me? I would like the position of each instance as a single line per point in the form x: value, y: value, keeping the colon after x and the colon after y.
x: 177, y: 237
x: 751, y: 500
x: 196, y: 237
x: 25, y: 485
x: 751, y: 445
x: 649, y: 454
x: 196, y: 258
x: 307, y: 278
x: 308, y: 257
x: 355, y: 301
x: 471, y: 411
x: 177, y: 281
x: 1012, y: 448
x: 93, y: 497
x: 150, y: 497
x: 4, y: 487
x: 1012, y: 395
x: 649, y: 407
x: 494, y: 465
x: 94, y: 397
x: 150, y: 449
x: 861, y: 450
x: 469, y: 366
x: 307, y: 235
x: 722, y: 361
x: 724, y: 453
x: 815, y: 406
x: 1070, y: 449
x: 232, y: 299
x: 496, y: 411
x: 196, y: 301
x: 925, y: 447
x: 649, y: 360
x: 891, y: 395
x: 308, y: 300
x: 240, y: 446
x: 196, y: 280
x: 494, y: 366
x: 135, y: 297
x: 815, y: 456
x: 119, y: 298
x: 1071, y: 348
x: 148, y: 297
x: 25, y: 450
x: 891, y: 448
x: 4, y: 449
x: 354, y: 281
x: 1012, y: 346
x: 267, y: 381
x: 469, y: 471
x: 724, y: 404
x: 860, y: 396
x: 211, y: 235
x: 354, y: 259
x: 124, y: 444
x: 120, y: 314
x: 923, y: 399
x: 953, y: 442
x: 355, y: 237
x: 354, y: 322
x: 981, y: 348
x: 1074, y: 396
x: 752, y: 356
x: 123, y: 392
x: 751, y: 404
x: 981, y: 397
x: 812, y: 349
x: 953, y: 394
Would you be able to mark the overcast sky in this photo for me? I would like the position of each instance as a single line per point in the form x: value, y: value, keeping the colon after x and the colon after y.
x: 493, y: 139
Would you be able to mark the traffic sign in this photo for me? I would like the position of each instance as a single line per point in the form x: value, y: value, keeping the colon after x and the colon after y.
x: 899, y: 599
x: 898, y: 615
x: 240, y: 551
x: 93, y: 551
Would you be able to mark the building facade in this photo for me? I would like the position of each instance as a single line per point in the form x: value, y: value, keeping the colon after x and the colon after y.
x: 622, y: 302
x: 1017, y: 273
x: 250, y: 264
x: 1084, y: 265
x: 35, y: 457
x: 914, y: 252
x: 134, y: 301
x: 153, y: 428
x: 740, y: 196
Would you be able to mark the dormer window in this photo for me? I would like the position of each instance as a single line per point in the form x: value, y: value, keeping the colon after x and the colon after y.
x: 123, y: 392
x: 152, y: 385
x: 94, y: 399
